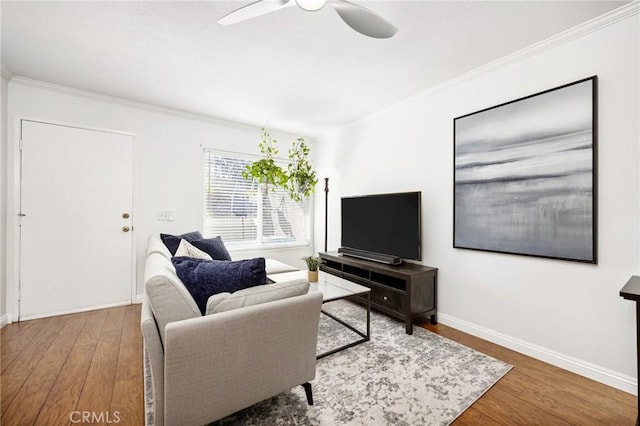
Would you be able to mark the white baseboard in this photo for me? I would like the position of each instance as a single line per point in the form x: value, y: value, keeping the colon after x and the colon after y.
x: 5, y: 319
x: 75, y: 311
x: 600, y: 374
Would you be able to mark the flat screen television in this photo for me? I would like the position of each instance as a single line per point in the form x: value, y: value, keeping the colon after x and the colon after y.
x: 382, y: 224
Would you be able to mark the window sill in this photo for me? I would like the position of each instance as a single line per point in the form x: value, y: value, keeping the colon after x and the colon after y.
x: 266, y: 247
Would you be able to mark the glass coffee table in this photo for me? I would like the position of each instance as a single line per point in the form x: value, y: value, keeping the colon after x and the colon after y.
x: 333, y: 288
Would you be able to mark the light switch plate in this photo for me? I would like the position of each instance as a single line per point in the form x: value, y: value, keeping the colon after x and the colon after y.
x: 165, y: 215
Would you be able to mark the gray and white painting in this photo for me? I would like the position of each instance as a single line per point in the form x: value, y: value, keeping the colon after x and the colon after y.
x: 524, y: 176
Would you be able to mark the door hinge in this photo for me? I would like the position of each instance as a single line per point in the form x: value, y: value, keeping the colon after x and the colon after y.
x: 19, y: 292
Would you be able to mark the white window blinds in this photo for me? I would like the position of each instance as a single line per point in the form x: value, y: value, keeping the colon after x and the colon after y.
x: 247, y: 215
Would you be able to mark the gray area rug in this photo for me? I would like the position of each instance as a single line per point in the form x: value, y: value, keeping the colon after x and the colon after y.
x: 396, y: 378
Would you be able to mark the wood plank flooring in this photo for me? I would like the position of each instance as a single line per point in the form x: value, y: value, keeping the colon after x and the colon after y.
x: 92, y: 361
x: 53, y: 369
x: 537, y: 393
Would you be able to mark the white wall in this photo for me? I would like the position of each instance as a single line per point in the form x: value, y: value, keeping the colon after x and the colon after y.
x: 3, y: 200
x: 167, y: 158
x: 567, y: 313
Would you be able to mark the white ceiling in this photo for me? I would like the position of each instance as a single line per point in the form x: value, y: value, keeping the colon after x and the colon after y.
x: 291, y: 69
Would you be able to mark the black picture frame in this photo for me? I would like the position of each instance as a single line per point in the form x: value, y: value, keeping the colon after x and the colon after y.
x: 525, y: 175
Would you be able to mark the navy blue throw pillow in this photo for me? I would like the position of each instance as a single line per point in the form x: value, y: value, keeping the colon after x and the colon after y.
x: 204, y: 278
x: 173, y: 241
x: 214, y: 247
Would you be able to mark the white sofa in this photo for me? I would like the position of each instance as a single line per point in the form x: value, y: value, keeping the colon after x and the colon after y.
x: 249, y: 346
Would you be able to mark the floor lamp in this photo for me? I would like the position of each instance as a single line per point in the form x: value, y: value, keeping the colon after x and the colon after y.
x: 326, y: 210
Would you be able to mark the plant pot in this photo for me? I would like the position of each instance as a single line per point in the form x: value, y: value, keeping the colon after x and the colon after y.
x: 313, y: 276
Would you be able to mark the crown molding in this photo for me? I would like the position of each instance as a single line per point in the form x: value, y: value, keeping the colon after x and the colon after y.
x: 247, y: 125
x: 66, y: 90
x: 600, y: 22
x: 554, y: 41
x: 581, y: 30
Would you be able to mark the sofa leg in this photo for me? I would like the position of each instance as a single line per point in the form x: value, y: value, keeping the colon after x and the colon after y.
x: 308, y: 392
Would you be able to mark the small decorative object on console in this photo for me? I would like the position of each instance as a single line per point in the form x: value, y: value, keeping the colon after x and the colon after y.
x: 313, y: 263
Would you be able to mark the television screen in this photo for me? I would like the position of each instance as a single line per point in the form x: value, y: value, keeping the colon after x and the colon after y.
x: 388, y: 224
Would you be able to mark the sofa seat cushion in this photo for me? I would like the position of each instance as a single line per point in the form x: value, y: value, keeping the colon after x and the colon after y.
x: 222, y: 302
x: 276, y: 267
x: 204, y: 278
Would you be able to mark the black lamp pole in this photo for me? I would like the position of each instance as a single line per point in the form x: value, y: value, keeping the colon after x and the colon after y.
x: 326, y: 210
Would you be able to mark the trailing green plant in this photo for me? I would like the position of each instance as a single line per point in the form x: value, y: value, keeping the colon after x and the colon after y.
x: 301, y: 176
x: 265, y: 170
x: 313, y: 262
x: 298, y: 179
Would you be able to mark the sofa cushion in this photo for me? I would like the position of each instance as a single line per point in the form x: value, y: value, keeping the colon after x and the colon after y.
x: 222, y: 302
x: 214, y: 247
x: 169, y: 298
x: 187, y: 250
x: 173, y: 241
x: 204, y: 278
x: 276, y: 267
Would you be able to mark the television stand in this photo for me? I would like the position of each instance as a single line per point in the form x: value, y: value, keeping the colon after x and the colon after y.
x: 406, y: 292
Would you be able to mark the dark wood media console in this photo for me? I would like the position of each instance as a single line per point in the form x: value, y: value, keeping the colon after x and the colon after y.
x: 405, y: 291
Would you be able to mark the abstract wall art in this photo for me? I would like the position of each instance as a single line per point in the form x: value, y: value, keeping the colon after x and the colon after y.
x: 525, y: 175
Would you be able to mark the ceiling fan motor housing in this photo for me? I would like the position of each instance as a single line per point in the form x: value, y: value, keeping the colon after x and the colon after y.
x: 311, y: 5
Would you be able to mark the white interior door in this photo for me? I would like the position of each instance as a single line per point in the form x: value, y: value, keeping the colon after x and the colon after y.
x: 76, y: 201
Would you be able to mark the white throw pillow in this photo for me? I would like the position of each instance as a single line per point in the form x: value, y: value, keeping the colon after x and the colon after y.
x: 187, y: 250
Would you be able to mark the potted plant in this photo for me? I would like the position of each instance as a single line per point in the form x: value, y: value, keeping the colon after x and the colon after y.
x: 298, y: 179
x: 301, y: 179
x: 267, y: 174
x: 313, y: 263
x: 265, y: 170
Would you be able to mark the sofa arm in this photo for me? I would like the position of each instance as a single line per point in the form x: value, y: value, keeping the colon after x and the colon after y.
x: 219, y: 364
x: 153, y: 350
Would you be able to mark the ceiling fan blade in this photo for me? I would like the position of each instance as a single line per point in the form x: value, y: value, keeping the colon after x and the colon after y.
x: 253, y: 10
x: 363, y: 20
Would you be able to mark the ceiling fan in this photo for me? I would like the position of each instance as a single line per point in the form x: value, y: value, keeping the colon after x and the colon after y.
x: 359, y: 18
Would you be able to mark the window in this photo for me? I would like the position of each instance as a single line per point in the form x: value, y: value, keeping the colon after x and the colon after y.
x: 247, y: 215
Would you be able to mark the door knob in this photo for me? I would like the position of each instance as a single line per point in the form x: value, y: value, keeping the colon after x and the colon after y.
x: 125, y: 229
x: 125, y: 215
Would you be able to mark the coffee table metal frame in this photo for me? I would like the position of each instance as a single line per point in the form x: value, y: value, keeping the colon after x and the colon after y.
x: 334, y: 288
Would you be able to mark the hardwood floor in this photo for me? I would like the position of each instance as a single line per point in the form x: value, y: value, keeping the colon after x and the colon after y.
x: 92, y: 362
x: 537, y: 393
x: 55, y: 370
